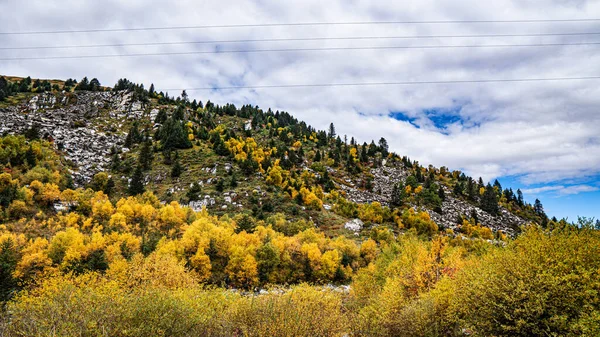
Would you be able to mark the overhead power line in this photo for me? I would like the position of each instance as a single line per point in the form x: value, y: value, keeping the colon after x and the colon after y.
x: 298, y: 39
x: 388, y: 83
x: 296, y: 25
x: 293, y: 50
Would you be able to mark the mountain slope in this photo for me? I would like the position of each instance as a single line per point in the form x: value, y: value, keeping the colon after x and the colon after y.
x: 248, y: 160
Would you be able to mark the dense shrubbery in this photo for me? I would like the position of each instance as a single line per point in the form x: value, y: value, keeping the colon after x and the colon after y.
x: 543, y: 283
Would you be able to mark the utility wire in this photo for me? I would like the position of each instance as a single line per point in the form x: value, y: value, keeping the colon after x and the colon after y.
x: 388, y: 83
x: 296, y: 24
x: 298, y: 39
x: 294, y: 50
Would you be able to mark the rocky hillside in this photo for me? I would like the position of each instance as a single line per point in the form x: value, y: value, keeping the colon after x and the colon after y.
x: 259, y: 162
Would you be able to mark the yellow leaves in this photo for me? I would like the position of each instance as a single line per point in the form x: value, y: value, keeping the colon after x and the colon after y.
x: 102, y: 208
x: 17, y: 209
x: 419, y: 189
x: 310, y: 199
x: 275, y: 174
x: 372, y: 212
x: 171, y: 216
x: 353, y: 153
x: 67, y: 247
x: 171, y: 248
x: 118, y: 222
x: 369, y: 251
x: 34, y: 260
x: 313, y: 253
x: 476, y: 231
x: 242, y: 268
x: 297, y: 144
x: 201, y: 264
x: 420, y: 221
x: 154, y: 271
x: 330, y: 262
x: 323, y: 265
x: 481, y: 190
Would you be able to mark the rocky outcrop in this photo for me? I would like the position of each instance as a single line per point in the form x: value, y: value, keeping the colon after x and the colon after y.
x: 384, y: 179
x: 69, y: 121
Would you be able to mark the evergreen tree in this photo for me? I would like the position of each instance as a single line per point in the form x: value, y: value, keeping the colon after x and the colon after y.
x: 458, y: 189
x: 364, y: 158
x: 489, y: 200
x: 220, y: 186
x: 538, y: 208
x: 110, y: 186
x: 498, y: 186
x: 383, y: 147
x: 520, y: 200
x: 332, y: 133
x: 474, y: 217
x: 173, y: 135
x: 441, y: 194
x: 94, y: 85
x: 30, y: 157
x: 134, y: 136
x: 233, y: 183
x: 471, y: 189
x: 193, y: 193
x: 176, y: 168
x: 161, y: 117
x: 84, y: 84
x: 398, y: 195
x: 146, y: 155
x: 179, y: 113
x: 317, y: 156
x: 136, y: 185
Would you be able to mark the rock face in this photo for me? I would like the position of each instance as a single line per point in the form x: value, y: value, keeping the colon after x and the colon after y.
x: 69, y: 120
x: 452, y: 208
x: 354, y: 225
x: 384, y: 179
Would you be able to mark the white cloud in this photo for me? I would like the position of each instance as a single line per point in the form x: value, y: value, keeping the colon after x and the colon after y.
x: 543, y: 131
x: 561, y: 190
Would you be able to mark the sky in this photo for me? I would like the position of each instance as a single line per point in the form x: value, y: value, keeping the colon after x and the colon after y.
x: 540, y: 136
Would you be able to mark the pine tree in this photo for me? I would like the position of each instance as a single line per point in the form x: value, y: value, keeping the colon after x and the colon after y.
x: 364, y: 158
x: 383, y: 147
x: 317, y: 156
x: 520, y: 200
x: 398, y: 194
x: 498, y: 186
x: 110, y: 185
x: 458, y: 189
x: 161, y: 116
x: 474, y: 216
x: 233, y: 183
x: 136, y: 185
x: 173, y: 135
x: 489, y: 200
x: 30, y: 157
x: 220, y: 186
x: 179, y: 113
x: 134, y: 136
x: 146, y: 155
x: 332, y: 133
x: 538, y: 208
x: 176, y: 169
x: 441, y: 194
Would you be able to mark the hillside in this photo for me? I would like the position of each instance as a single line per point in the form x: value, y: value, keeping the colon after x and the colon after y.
x: 89, y: 127
x: 126, y: 212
